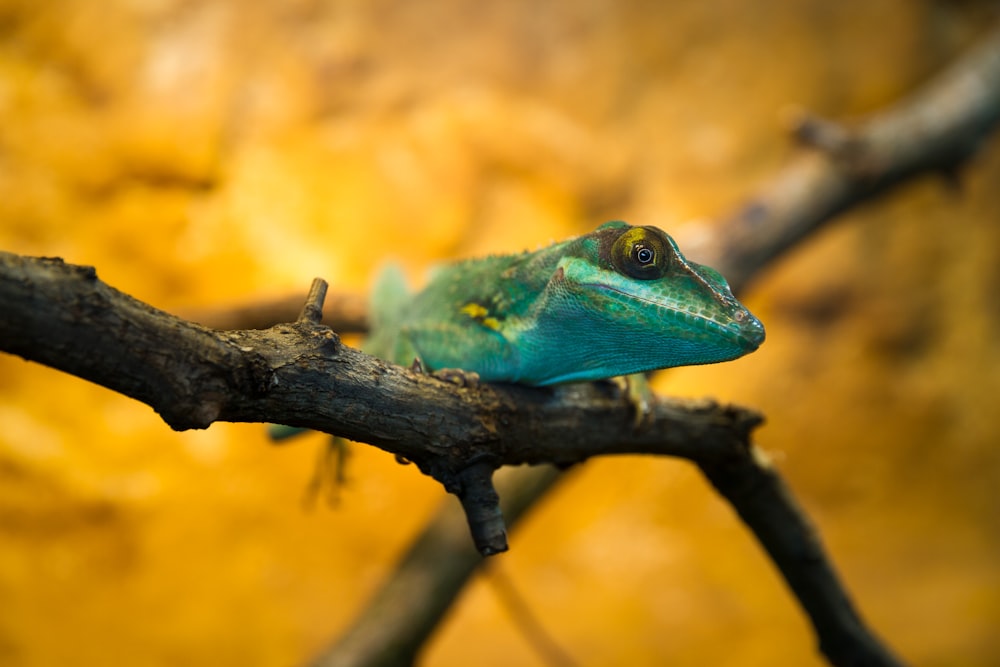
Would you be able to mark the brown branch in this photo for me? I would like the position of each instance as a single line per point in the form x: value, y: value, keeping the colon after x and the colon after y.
x: 62, y: 316
x: 767, y: 507
x: 302, y: 375
x: 935, y: 131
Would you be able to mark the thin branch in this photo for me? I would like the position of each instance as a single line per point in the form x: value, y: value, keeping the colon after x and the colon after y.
x: 525, y: 618
x: 936, y: 131
x: 312, y: 309
x: 767, y: 507
x: 410, y: 605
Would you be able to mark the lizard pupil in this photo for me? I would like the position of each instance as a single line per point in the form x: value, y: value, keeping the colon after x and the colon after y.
x: 643, y: 254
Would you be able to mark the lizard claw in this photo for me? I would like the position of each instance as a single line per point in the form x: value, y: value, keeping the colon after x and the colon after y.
x: 458, y: 376
x: 639, y: 397
x: 329, y: 474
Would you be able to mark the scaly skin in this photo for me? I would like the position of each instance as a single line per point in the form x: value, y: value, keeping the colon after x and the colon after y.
x: 617, y: 301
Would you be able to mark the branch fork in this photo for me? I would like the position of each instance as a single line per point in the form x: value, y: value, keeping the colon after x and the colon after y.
x: 471, y: 483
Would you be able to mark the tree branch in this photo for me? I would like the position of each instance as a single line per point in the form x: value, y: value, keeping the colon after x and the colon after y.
x: 760, y: 497
x: 302, y: 375
x: 937, y: 130
x: 62, y: 316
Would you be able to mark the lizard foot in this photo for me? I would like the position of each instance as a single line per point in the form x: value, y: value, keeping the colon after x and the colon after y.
x: 640, y: 398
x: 329, y: 474
x: 458, y: 376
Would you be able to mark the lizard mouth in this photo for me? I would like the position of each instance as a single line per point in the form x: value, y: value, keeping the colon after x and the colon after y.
x: 748, y: 329
x: 751, y: 329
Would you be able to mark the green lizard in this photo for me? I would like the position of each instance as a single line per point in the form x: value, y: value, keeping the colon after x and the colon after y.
x: 618, y: 301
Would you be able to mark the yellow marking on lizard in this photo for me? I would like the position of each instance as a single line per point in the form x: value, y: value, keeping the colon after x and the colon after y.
x: 474, y: 310
x: 481, y: 315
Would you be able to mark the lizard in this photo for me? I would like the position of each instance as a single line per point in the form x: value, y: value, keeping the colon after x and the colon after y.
x: 619, y: 301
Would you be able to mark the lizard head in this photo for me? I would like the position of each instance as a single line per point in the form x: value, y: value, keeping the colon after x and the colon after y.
x: 658, y: 308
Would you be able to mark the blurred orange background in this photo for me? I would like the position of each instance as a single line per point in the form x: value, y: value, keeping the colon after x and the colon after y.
x: 206, y: 153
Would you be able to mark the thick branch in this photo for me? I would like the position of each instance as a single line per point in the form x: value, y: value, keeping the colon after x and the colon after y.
x: 62, y: 316
x: 302, y: 375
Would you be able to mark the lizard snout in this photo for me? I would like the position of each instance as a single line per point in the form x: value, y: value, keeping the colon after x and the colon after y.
x: 751, y: 329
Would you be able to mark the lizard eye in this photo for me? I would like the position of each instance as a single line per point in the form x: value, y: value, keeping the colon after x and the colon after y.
x: 641, y: 253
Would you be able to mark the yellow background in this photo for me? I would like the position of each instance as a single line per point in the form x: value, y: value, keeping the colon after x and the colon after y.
x: 204, y: 153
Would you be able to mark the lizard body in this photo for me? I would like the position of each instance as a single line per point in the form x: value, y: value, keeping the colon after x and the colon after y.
x: 617, y: 301
x: 620, y: 300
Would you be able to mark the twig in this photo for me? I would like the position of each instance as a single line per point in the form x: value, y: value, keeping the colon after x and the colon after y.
x: 525, y: 618
x: 312, y: 309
